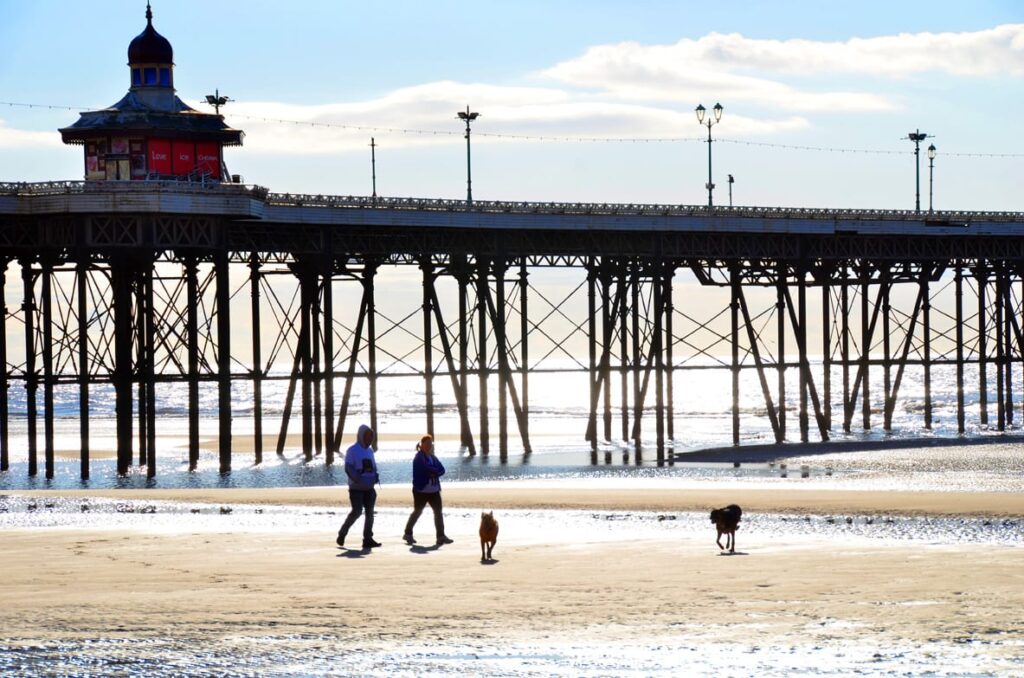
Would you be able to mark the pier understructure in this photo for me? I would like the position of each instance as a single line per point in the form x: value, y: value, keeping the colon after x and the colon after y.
x: 126, y: 289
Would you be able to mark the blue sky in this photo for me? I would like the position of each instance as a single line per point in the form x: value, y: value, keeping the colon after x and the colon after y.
x: 853, y: 75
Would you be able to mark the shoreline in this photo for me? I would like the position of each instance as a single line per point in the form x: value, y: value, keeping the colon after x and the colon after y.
x: 590, y: 495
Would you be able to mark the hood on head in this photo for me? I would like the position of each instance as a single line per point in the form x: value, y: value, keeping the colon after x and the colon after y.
x: 362, y: 431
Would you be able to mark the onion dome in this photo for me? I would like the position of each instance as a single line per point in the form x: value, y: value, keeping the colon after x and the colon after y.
x: 149, y: 47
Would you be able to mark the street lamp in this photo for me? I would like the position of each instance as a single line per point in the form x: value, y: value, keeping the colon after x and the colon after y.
x: 216, y: 100
x: 731, y: 182
x: 931, y: 167
x: 711, y: 121
x: 917, y: 137
x: 468, y: 117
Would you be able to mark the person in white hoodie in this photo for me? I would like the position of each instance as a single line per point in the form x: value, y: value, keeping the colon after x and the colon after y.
x: 361, y: 469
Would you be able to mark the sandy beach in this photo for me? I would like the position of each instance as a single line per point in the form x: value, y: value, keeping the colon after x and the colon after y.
x: 570, y: 575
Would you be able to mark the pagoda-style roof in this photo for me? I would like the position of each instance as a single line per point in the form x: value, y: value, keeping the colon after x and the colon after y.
x: 133, y: 115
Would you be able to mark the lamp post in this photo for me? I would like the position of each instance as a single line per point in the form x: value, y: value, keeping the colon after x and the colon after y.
x: 731, y: 182
x: 917, y: 137
x: 710, y: 121
x: 373, y: 165
x: 216, y: 100
x: 468, y: 117
x: 931, y: 167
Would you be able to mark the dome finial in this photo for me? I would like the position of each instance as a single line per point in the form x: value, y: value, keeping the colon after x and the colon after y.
x: 149, y: 13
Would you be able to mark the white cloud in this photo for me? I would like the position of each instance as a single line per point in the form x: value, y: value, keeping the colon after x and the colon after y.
x: 735, y: 68
x: 12, y: 138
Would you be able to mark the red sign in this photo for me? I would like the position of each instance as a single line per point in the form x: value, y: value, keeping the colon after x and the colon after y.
x: 208, y: 158
x: 183, y: 156
x: 159, y: 156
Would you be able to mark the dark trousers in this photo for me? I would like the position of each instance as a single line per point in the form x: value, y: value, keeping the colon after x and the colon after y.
x: 421, y: 499
x: 360, y: 500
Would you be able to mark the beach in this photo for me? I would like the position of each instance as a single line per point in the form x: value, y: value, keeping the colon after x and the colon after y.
x: 589, y: 580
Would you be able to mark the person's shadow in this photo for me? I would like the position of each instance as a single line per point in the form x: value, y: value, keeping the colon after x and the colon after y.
x: 489, y: 561
x: 734, y: 553
x: 423, y: 549
x: 352, y: 553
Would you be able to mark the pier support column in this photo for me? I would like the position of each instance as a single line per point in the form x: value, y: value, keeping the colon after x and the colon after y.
x: 47, y: 322
x: 659, y: 363
x: 607, y: 324
x: 638, y: 399
x: 192, y: 335
x: 121, y: 280
x: 369, y: 274
x: 622, y: 292
x: 462, y: 278
x: 982, y: 278
x: 592, y: 379
x: 223, y: 360
x: 844, y: 329
x: 149, y: 338
x: 826, y: 348
x: 801, y: 332
x: 926, y: 320
x: 329, y: 360
x: 482, y: 293
x: 427, y: 267
x: 5, y: 450
x: 865, y: 347
x: 780, y: 313
x: 734, y: 324
x: 257, y: 357
x: 886, y: 350
x: 997, y: 303
x: 31, y: 378
x: 500, y: 268
x: 959, y: 330
x: 524, y: 358
x: 669, y: 360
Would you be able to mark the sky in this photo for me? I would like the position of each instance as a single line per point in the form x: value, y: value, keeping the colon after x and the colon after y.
x: 788, y: 74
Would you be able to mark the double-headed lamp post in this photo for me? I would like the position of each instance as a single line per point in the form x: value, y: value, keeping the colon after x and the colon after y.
x: 469, y: 117
x: 917, y: 137
x: 216, y: 100
x: 711, y: 120
x: 931, y: 167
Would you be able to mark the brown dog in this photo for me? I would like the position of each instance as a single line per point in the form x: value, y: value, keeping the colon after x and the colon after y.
x: 488, y: 535
x: 726, y: 520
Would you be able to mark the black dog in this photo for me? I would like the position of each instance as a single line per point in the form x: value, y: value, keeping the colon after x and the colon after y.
x: 726, y: 520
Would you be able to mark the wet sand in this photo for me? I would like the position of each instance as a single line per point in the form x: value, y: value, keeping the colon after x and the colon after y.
x: 797, y: 592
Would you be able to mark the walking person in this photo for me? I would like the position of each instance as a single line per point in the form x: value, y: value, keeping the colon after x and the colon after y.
x: 361, y: 469
x: 427, y: 470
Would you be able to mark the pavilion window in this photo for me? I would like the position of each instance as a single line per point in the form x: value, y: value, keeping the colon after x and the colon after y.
x: 165, y: 77
x: 136, y: 77
x: 150, y: 76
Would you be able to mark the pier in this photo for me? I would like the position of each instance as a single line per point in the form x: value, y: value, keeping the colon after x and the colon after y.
x: 135, y: 284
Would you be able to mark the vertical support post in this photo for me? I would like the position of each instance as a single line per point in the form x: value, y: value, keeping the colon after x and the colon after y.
x: 307, y: 290
x: 223, y: 360
x: 886, y: 348
x: 1008, y: 346
x: 592, y: 380
x: 257, y: 357
x: 669, y: 370
x: 865, y: 347
x: 462, y: 277
x: 192, y: 332
x: 982, y: 277
x: 623, y: 352
x: 959, y: 293
x: 150, y: 373
x: 482, y: 366
x: 500, y: 268
x: 31, y: 378
x: 801, y: 302
x: 926, y: 320
x: 5, y: 450
x: 121, y: 279
x: 659, y: 364
x: 997, y: 302
x: 607, y: 323
x: 142, y: 409
x: 47, y: 321
x: 734, y: 316
x: 369, y: 273
x: 844, y: 312
x: 427, y: 267
x: 316, y: 375
x: 826, y: 347
x: 780, y: 312
x: 638, y: 401
x: 524, y: 354
x: 329, y: 358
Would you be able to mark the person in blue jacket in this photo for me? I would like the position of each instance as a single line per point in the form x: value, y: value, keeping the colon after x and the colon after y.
x: 361, y: 469
x: 427, y: 470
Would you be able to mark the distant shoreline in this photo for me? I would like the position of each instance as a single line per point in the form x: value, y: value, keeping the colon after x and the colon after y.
x: 769, y: 452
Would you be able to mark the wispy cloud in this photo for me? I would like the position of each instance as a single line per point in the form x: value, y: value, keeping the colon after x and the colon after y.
x: 13, y: 138
x: 737, y: 68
